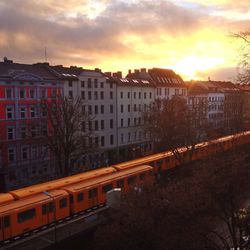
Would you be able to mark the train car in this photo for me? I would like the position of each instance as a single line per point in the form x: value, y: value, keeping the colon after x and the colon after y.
x: 57, y: 184
x: 92, y: 193
x: 24, y: 215
x: 5, y: 198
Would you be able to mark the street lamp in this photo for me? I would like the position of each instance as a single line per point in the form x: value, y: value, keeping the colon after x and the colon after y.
x: 54, y: 211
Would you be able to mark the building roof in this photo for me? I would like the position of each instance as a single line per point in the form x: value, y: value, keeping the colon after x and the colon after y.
x: 161, y: 77
x: 19, y: 71
x: 132, y: 82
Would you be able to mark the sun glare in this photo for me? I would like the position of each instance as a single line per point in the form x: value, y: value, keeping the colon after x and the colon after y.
x: 189, y: 66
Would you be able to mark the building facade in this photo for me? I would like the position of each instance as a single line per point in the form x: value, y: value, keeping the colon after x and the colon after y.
x: 24, y: 158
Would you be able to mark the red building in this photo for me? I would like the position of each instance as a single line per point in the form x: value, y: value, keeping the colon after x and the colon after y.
x: 24, y: 157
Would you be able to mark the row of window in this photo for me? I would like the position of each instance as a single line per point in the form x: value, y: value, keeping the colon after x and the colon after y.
x: 29, y: 93
x: 96, y: 109
x: 216, y: 99
x: 25, y: 131
x: 135, y: 109
x: 24, y: 112
x: 89, y: 83
x: 137, y: 135
x: 26, y: 152
x: 135, y: 95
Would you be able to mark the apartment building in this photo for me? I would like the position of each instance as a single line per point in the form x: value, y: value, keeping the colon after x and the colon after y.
x: 24, y: 158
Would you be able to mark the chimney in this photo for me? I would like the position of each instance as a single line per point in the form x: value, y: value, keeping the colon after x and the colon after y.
x: 137, y: 71
x: 6, y: 60
x: 129, y: 71
x: 143, y: 70
x: 119, y: 74
x: 108, y: 74
x: 97, y: 69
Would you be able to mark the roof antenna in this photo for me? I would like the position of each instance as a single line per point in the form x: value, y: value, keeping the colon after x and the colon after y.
x: 45, y: 53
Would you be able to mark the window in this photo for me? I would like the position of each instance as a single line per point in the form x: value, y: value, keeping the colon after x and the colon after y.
x: 44, y: 130
x: 107, y: 188
x: 102, y: 95
x: 129, y: 137
x: 53, y: 94
x: 134, y: 107
x: 82, y: 84
x: 83, y: 95
x: 70, y: 83
x: 111, y: 123
x: 92, y: 193
x: 111, y: 95
x: 6, y: 221
x: 89, y: 83
x: 111, y: 139
x: 90, y: 126
x: 139, y: 107
x: 23, y: 132
x: 26, y: 215
x: 111, y: 109
x: 33, y: 131
x: 96, y: 141
x: 134, y: 95
x: 121, y: 122
x: 34, y: 152
x: 150, y: 95
x: 139, y: 95
x: 63, y: 203
x: 11, y: 154
x: 128, y: 122
x: 10, y: 113
x: 128, y: 107
x: 22, y: 112
x: 24, y: 153
x: 102, y: 109
x: 90, y: 110
x: 102, y: 124
x: 122, y: 138
x: 10, y: 133
x: 8, y: 93
x: 111, y: 85
x: 96, y: 125
x: 96, y: 83
x: 128, y: 95
x: 32, y: 112
x: 145, y: 95
x: 43, y: 93
x: 96, y: 109
x: 135, y: 121
x: 121, y: 108
x: 32, y: 93
x: 120, y: 183
x: 44, y: 210
x: 89, y: 95
x: 51, y: 207
x: 22, y: 93
x: 96, y: 95
x: 79, y: 197
x: 102, y: 141
x: 121, y: 95
x: 131, y: 180
x: 102, y: 85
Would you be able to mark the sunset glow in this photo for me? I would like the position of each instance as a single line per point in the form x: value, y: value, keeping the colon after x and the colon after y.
x: 190, y: 36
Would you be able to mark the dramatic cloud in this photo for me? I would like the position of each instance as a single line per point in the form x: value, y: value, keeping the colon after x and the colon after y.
x: 116, y: 34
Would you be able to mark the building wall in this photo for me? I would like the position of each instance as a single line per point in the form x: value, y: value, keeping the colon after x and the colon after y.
x: 25, y: 159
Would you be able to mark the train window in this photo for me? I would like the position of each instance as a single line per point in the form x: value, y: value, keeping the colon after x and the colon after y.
x: 44, y: 210
x: 51, y: 206
x: 106, y: 188
x: 80, y: 197
x: 142, y: 176
x: 26, y: 215
x: 63, y: 203
x: 71, y: 198
x: 6, y: 221
x: 131, y: 180
x: 92, y: 193
x: 120, y: 183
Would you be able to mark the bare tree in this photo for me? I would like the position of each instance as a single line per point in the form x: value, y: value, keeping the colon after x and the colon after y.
x: 244, y: 64
x: 176, y: 126
x: 68, y: 132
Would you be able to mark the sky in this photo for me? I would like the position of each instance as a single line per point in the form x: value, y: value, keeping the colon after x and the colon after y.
x: 192, y: 37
